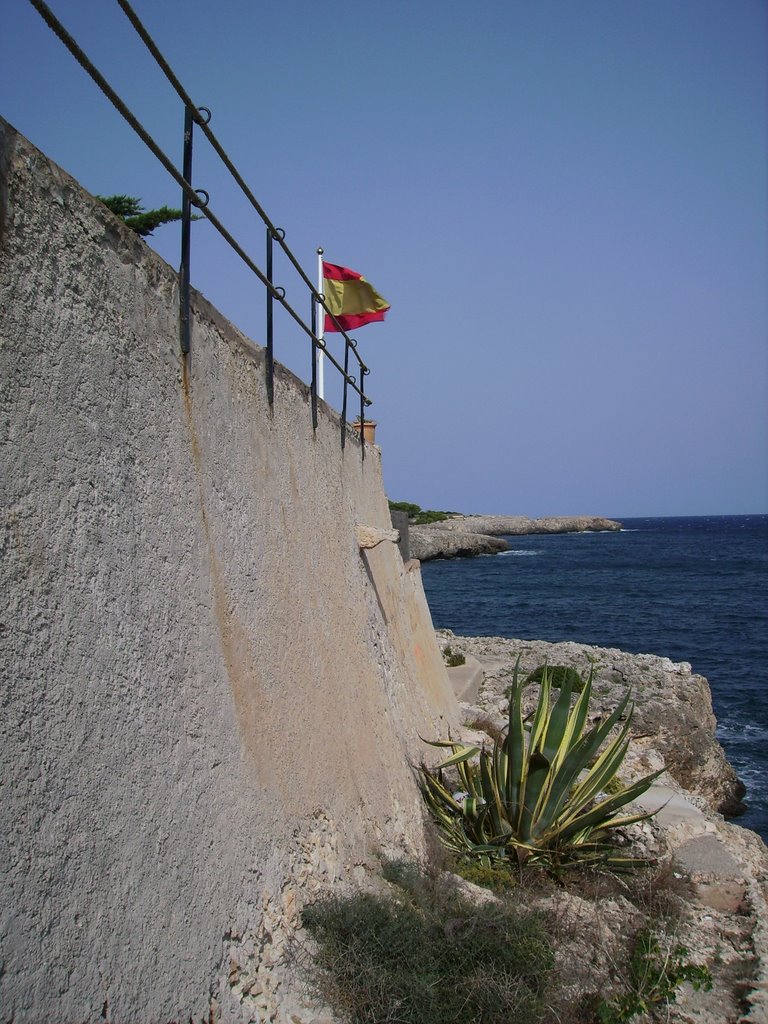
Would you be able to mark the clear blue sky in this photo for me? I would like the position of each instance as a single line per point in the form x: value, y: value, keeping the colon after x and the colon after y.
x: 563, y: 200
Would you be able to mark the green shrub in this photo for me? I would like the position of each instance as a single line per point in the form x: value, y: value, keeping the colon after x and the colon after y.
x: 425, y: 956
x: 405, y: 506
x: 453, y: 659
x: 655, y: 976
x: 429, y: 516
x: 142, y: 221
x: 558, y: 675
x: 419, y: 516
x: 495, y: 876
x: 540, y: 794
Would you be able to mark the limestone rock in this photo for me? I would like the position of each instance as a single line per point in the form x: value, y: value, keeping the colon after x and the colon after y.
x: 673, y: 706
x: 480, y: 535
x: 520, y: 525
x: 708, y: 896
x: 371, y: 536
x: 426, y: 542
x: 477, y: 895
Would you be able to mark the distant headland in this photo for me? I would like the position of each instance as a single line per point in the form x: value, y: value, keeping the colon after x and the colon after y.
x: 462, y: 536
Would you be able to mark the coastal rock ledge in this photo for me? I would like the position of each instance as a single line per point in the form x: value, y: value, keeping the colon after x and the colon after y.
x: 708, y: 889
x: 462, y: 536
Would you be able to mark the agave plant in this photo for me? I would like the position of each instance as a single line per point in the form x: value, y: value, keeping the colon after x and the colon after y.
x: 540, y: 794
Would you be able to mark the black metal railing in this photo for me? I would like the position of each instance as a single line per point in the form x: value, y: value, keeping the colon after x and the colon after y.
x: 199, y: 199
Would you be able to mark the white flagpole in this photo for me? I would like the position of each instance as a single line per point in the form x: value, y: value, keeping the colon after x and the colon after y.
x: 320, y: 329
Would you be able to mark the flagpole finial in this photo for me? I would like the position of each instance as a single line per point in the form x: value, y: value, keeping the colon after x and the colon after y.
x: 320, y: 252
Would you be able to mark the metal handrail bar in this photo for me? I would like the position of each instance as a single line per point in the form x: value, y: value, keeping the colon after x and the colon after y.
x: 194, y: 196
x: 206, y: 129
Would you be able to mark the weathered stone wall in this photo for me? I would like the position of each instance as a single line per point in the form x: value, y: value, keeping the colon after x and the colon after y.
x: 211, y: 697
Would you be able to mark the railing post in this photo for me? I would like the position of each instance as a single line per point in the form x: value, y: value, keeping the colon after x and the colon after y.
x: 362, y: 411
x: 344, y: 395
x: 186, y: 223
x: 270, y: 359
x: 199, y: 199
x: 313, y: 387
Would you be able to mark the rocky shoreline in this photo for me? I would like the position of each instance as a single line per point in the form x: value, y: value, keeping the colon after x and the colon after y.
x: 465, y: 536
x: 712, y: 876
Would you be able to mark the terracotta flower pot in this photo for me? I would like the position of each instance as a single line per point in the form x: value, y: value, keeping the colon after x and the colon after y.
x: 369, y: 430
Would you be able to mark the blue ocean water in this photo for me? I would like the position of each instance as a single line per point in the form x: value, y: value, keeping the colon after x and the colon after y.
x: 692, y: 589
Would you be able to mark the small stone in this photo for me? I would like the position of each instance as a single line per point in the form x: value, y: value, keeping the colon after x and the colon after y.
x: 370, y: 536
x: 726, y: 896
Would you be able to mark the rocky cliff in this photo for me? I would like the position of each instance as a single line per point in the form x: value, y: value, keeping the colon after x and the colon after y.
x: 709, y: 890
x: 495, y: 526
x: 427, y: 542
x: 481, y: 535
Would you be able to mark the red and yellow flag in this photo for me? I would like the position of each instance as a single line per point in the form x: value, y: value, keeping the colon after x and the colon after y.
x: 351, y: 299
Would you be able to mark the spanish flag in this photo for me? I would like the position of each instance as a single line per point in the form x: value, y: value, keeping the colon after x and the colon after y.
x: 350, y: 298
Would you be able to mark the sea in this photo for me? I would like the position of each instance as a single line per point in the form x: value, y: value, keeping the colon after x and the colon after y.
x: 692, y: 589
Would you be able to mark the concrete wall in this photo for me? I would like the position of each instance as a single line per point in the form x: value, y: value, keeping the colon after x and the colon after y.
x: 210, y: 696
